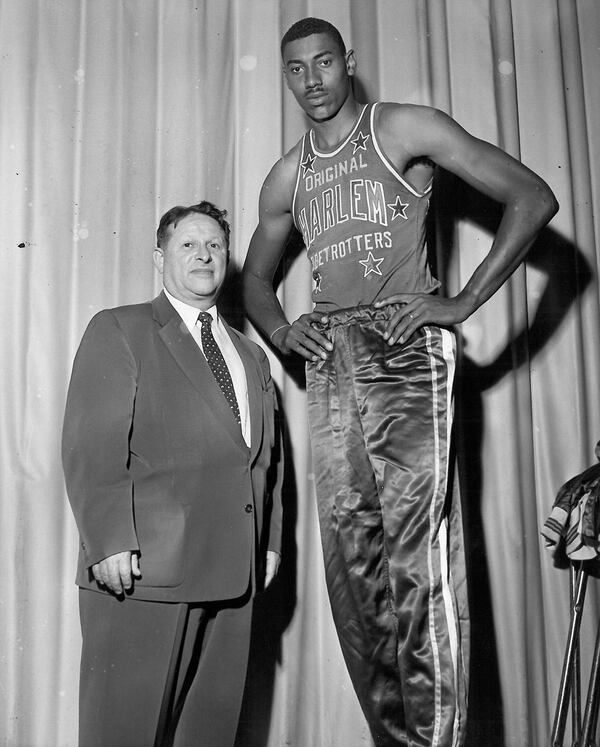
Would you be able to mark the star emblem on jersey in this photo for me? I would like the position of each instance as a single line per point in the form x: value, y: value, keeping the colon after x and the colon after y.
x: 360, y: 142
x: 371, y: 264
x: 398, y: 208
x: 308, y: 164
x: 317, y: 279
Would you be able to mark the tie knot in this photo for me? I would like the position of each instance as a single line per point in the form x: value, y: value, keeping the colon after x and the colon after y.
x: 205, y: 318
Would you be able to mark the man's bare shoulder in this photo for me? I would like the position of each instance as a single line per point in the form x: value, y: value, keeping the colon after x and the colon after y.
x: 286, y: 167
x: 409, y: 118
x: 420, y: 129
x: 278, y: 187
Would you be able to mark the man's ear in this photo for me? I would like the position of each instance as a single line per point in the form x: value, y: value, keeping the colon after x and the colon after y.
x: 159, y: 259
x: 350, y: 62
x: 283, y: 70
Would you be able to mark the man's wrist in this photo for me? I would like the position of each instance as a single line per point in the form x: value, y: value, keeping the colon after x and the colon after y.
x: 468, y: 302
x: 278, y: 334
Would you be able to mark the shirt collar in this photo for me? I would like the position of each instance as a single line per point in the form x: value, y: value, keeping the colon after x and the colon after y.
x: 188, y: 313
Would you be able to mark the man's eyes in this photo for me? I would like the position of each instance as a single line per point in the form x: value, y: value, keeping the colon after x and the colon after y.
x: 212, y: 244
x: 325, y: 62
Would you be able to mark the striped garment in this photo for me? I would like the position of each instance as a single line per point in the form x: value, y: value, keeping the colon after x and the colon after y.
x: 380, y: 421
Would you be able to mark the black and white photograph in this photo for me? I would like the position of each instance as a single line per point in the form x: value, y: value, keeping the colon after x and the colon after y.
x: 300, y: 373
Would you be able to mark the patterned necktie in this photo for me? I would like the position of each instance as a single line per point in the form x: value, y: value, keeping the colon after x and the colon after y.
x: 217, y: 363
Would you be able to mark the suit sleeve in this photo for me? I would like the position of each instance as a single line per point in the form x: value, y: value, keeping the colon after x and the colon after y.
x: 95, y: 442
x: 277, y: 464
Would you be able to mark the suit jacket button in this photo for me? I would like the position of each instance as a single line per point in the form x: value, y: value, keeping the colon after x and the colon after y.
x: 248, y: 508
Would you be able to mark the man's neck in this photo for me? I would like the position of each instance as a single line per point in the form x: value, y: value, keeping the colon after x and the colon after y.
x: 331, y: 132
x: 189, y: 311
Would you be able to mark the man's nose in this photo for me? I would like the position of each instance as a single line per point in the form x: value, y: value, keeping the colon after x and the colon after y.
x: 203, y: 253
x: 313, y: 79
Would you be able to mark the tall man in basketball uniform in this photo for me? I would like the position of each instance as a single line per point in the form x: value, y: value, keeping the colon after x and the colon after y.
x: 380, y: 359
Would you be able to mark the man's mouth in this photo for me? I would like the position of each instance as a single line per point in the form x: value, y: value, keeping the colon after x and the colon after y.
x: 315, y: 95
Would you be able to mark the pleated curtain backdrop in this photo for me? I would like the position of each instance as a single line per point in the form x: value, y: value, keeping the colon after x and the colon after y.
x: 113, y: 112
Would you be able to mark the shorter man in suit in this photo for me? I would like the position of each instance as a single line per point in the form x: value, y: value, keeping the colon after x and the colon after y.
x: 172, y: 464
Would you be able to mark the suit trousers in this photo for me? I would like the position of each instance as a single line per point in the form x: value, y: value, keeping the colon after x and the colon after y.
x: 144, y: 659
x: 380, y: 421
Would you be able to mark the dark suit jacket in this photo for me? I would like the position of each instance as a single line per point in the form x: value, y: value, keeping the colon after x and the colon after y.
x: 154, y: 460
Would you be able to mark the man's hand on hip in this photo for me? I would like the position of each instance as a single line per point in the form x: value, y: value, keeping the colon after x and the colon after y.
x: 419, y: 309
x: 302, y: 338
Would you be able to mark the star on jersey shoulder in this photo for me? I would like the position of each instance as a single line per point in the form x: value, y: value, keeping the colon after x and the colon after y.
x: 398, y: 208
x: 360, y: 142
x: 371, y: 264
x: 308, y: 164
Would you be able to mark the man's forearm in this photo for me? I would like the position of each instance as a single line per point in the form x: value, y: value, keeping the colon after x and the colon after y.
x: 262, y: 305
x: 518, y: 230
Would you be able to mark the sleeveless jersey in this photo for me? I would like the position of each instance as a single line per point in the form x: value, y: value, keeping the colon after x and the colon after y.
x: 363, y: 224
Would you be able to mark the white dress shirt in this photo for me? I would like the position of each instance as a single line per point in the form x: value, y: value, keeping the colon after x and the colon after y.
x: 189, y: 314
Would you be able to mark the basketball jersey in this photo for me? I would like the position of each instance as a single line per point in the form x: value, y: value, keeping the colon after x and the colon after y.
x: 362, y: 223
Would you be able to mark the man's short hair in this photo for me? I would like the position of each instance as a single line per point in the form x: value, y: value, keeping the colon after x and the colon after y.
x: 176, y: 214
x: 309, y: 26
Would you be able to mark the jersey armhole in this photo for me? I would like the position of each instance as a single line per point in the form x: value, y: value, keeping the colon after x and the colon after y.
x: 388, y: 164
x: 297, y: 182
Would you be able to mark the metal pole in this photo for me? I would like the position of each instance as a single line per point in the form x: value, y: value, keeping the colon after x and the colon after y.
x: 576, y: 675
x: 591, y: 706
x: 562, y: 705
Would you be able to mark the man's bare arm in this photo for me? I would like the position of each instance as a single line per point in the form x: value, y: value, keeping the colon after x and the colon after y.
x: 264, y: 254
x: 528, y: 205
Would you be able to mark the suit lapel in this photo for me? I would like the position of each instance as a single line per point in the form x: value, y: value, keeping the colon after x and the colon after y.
x: 182, y: 346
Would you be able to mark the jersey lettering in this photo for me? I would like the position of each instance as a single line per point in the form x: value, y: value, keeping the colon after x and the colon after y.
x: 365, y: 201
x: 363, y: 225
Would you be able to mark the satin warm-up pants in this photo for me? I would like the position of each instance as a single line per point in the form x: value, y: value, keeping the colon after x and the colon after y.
x: 380, y: 421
